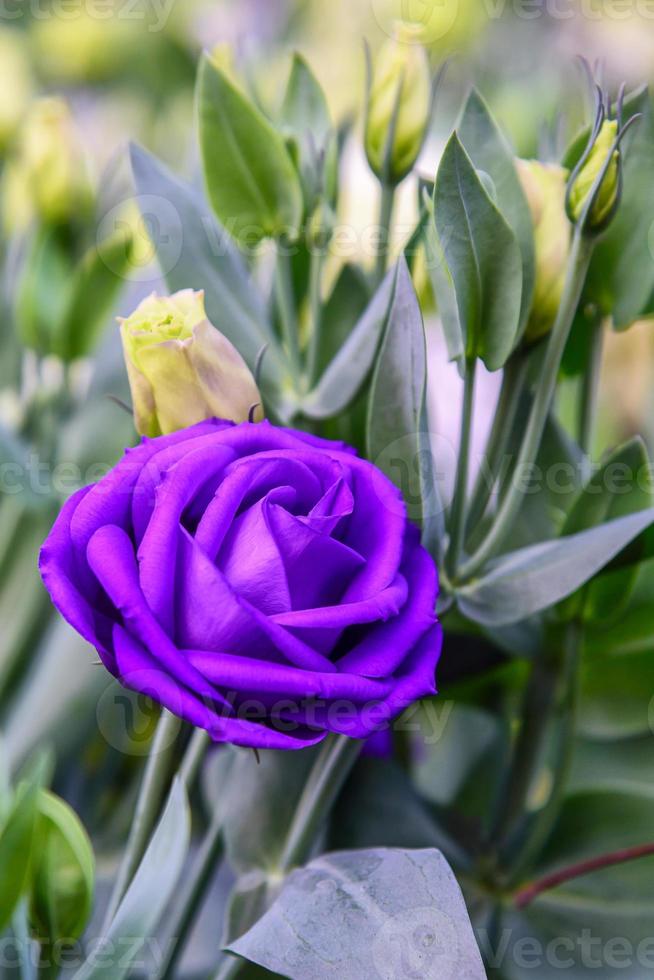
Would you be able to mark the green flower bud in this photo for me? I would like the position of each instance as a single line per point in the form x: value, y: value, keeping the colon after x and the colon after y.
x: 181, y: 369
x: 399, y: 105
x: 585, y: 179
x: 545, y: 187
x: 46, y: 176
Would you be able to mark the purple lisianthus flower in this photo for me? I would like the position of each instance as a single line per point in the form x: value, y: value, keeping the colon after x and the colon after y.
x: 261, y: 583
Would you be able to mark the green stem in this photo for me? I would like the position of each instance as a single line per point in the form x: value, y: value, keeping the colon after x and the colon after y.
x: 193, y: 894
x: 581, y: 252
x: 567, y: 689
x: 589, y: 389
x: 458, y: 517
x: 193, y: 756
x: 148, y: 806
x: 386, y: 206
x: 315, y: 305
x: 286, y: 307
x: 503, y: 421
x: 538, y: 704
x: 230, y: 967
x: 330, y: 771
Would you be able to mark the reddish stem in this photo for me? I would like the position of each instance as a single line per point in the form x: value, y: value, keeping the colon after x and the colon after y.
x: 527, y: 894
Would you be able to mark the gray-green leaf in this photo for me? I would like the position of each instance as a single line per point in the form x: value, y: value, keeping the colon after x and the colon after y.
x: 375, y: 913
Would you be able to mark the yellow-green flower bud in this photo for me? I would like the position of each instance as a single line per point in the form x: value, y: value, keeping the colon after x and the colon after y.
x: 589, y: 173
x: 545, y: 187
x: 181, y: 369
x: 400, y: 72
x: 46, y: 176
x: 15, y: 82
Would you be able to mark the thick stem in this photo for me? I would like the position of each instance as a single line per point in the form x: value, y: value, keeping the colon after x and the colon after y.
x: 331, y: 769
x: 530, y: 892
x: 503, y: 422
x: 286, y: 307
x: 579, y: 260
x: 193, y: 756
x: 155, y: 777
x: 458, y: 517
x: 589, y: 390
x: 315, y: 305
x: 386, y: 205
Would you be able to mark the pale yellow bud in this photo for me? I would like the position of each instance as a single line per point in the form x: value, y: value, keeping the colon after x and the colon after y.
x: 545, y: 186
x: 181, y: 369
x: 401, y: 71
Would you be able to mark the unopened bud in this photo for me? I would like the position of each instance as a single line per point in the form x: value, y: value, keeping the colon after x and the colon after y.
x: 181, y: 369
x: 584, y: 181
x: 399, y: 106
x: 545, y: 186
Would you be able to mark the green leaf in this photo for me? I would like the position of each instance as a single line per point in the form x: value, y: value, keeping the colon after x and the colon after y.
x: 346, y: 373
x: 489, y: 152
x: 305, y: 116
x: 63, y: 873
x: 618, y: 611
x: 148, y: 895
x: 444, y: 292
x: 353, y: 914
x: 483, y: 258
x: 527, y: 581
x: 195, y: 252
x: 346, y: 304
x: 251, y: 181
x: 98, y: 278
x: 398, y: 436
x: 44, y: 289
x: 621, y: 485
x: 616, y: 695
x: 17, y: 839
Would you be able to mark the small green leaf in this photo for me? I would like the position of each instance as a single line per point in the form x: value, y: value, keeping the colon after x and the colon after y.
x: 347, y: 372
x: 489, y: 152
x: 379, y: 912
x: 483, y: 258
x: 344, y: 307
x: 252, y: 183
x: 148, y: 895
x: 305, y: 115
x: 98, y: 278
x: 63, y: 873
x: 44, y: 289
x: 527, y: 581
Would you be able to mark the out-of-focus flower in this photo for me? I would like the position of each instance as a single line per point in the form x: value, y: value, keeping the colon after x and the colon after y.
x: 87, y: 47
x: 399, y: 104
x: 181, y: 369
x: 15, y: 83
x: 277, y: 580
x: 46, y: 175
x: 545, y: 186
x: 585, y: 179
